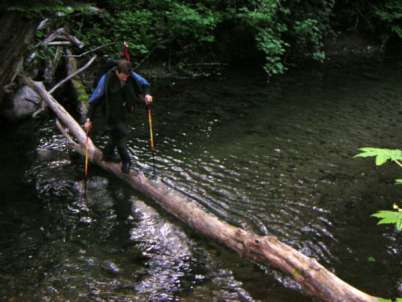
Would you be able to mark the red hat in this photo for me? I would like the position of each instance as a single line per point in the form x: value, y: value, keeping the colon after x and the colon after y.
x: 125, y: 54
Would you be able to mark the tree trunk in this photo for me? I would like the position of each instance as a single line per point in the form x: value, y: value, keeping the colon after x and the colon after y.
x: 80, y: 93
x: 16, y: 33
x: 313, y: 277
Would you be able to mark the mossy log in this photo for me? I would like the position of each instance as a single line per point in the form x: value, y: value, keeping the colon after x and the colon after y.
x: 80, y: 92
x: 312, y: 276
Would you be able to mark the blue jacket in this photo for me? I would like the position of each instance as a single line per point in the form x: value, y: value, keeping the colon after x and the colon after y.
x: 97, y: 98
x: 100, y: 88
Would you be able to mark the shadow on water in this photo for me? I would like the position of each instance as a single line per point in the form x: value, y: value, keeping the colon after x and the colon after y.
x: 275, y: 159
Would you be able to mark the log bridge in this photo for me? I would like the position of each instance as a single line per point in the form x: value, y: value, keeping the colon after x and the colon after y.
x: 315, y: 279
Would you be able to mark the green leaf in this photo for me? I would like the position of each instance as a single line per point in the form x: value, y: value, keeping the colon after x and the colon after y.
x: 370, y: 259
x: 399, y: 225
x: 381, y: 155
x: 389, y: 217
x: 398, y: 181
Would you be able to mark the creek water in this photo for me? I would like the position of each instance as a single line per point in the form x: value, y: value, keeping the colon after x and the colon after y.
x: 273, y: 158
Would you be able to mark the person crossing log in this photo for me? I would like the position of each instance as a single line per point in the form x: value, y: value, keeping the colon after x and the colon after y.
x: 117, y: 91
x: 312, y: 276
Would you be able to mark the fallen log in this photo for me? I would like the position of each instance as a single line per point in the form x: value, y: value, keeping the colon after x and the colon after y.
x: 312, y: 276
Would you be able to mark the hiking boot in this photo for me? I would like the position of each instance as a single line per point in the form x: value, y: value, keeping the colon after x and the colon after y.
x: 125, y: 167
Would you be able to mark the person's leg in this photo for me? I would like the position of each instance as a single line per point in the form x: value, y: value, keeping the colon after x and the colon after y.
x: 120, y: 141
x: 108, y: 152
x: 124, y: 155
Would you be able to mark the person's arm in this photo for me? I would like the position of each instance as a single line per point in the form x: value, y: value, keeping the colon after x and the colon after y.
x: 145, y: 87
x: 94, y: 101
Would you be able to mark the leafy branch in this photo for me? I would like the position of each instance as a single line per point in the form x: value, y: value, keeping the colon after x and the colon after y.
x: 382, y: 156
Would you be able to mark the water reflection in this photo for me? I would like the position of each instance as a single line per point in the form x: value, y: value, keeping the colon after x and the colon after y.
x: 273, y: 159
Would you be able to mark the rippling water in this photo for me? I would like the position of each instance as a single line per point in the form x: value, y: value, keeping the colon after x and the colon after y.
x: 275, y: 159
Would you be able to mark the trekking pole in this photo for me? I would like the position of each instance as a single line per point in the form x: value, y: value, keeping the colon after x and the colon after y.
x: 86, y: 163
x: 151, y: 135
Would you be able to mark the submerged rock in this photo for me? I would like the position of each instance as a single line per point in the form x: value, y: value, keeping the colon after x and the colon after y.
x: 111, y: 267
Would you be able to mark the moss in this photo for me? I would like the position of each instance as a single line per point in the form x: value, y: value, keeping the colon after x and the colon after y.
x: 82, y: 95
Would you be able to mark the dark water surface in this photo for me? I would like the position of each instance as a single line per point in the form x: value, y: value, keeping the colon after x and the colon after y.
x: 276, y: 159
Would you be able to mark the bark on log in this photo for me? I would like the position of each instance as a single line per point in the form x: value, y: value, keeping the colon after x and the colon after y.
x: 313, y: 277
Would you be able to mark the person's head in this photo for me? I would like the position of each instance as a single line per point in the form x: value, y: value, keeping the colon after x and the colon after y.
x: 123, y: 70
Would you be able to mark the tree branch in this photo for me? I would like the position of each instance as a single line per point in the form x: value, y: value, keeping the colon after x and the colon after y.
x: 73, y: 74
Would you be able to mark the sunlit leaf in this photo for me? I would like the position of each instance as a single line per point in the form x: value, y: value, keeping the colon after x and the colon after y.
x: 399, y: 225
x: 390, y: 217
x: 389, y: 300
x: 381, y: 155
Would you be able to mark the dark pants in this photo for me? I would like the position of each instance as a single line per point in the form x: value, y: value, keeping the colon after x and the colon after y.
x: 118, y: 139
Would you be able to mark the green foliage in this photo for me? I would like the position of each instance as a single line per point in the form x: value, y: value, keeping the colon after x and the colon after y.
x: 147, y: 25
x: 385, y: 217
x: 273, y: 48
x: 51, y: 7
x: 191, y: 23
x: 133, y: 26
x: 264, y: 18
x: 390, y: 217
x: 390, y: 300
x: 310, y: 37
x: 390, y: 13
x: 381, y: 155
x: 281, y: 29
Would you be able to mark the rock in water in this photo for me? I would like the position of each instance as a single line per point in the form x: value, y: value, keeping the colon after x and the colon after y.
x: 24, y: 103
x: 111, y: 267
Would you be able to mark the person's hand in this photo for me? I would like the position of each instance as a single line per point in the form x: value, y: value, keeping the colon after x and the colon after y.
x: 148, y: 99
x: 87, y: 125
